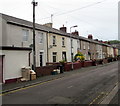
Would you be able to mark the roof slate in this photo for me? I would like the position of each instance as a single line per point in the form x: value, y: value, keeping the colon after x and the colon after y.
x: 14, y: 20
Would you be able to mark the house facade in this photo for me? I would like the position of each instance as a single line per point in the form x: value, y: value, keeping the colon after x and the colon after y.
x: 85, y: 49
x: 99, y: 51
x: 59, y: 45
x: 57, y: 48
x: 12, y: 60
x: 18, y: 33
x: 104, y: 50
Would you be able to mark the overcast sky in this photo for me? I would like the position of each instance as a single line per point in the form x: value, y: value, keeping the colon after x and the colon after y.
x: 96, y: 17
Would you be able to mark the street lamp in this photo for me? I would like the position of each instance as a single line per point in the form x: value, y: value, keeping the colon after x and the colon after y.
x: 71, y: 44
x: 34, y: 54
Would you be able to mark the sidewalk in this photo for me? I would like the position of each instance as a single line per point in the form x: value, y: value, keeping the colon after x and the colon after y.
x: 14, y: 86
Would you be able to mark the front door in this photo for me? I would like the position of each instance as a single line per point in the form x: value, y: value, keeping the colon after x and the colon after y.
x: 41, y: 58
x: 1, y: 69
x: 64, y: 56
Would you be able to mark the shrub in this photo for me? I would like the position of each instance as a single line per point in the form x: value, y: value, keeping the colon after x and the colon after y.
x: 79, y: 56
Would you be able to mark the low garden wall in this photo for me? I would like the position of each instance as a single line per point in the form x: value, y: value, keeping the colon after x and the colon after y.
x: 105, y: 61
x: 68, y: 66
x: 87, y: 63
x: 45, y: 70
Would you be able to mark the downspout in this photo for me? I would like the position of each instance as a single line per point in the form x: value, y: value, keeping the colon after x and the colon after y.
x: 29, y: 57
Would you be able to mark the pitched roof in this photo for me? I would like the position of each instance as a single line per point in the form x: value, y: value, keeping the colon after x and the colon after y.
x: 25, y: 23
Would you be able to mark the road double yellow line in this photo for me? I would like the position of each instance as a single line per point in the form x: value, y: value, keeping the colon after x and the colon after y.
x: 31, y: 86
x: 104, y: 95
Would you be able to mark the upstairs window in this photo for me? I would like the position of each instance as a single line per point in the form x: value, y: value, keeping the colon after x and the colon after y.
x: 54, y: 40
x: 40, y: 37
x: 83, y: 45
x: 63, y: 41
x: 25, y: 34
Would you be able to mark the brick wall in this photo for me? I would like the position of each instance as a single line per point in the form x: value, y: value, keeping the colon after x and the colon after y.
x: 105, y: 61
x: 45, y: 70
x: 87, y: 63
x: 76, y: 65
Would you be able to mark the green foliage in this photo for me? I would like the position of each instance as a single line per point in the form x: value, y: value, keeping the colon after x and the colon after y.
x: 114, y: 41
x: 79, y: 56
x: 62, y: 61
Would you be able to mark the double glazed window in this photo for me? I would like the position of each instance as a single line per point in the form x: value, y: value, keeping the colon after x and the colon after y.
x: 54, y: 56
x: 63, y: 41
x: 54, y: 40
x: 40, y: 35
x: 25, y: 34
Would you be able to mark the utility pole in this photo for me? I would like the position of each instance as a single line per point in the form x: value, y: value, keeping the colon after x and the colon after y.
x: 34, y: 54
x: 51, y: 18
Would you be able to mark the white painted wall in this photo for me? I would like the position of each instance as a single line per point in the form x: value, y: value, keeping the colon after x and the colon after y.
x: 14, y: 60
x: 74, y: 49
x: 14, y: 36
x: 68, y: 48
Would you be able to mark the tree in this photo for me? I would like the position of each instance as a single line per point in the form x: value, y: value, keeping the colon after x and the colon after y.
x: 114, y: 41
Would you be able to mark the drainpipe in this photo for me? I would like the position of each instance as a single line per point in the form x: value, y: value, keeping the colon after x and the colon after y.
x: 29, y: 57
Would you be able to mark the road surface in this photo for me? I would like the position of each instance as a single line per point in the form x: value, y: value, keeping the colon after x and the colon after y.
x: 85, y: 87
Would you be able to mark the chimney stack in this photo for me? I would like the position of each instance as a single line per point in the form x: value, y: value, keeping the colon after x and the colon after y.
x: 48, y: 25
x: 108, y: 42
x: 64, y: 29
x: 76, y: 33
x: 96, y: 40
x: 90, y: 36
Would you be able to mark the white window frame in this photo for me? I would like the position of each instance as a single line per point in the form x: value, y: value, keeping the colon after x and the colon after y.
x: 54, y: 40
x: 54, y: 54
x: 25, y: 33
x: 63, y: 41
x: 41, y: 37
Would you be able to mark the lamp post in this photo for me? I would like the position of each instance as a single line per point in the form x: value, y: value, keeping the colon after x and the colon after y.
x: 71, y: 44
x: 34, y: 54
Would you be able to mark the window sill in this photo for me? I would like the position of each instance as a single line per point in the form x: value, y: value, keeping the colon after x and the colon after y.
x: 55, y: 45
x: 63, y: 46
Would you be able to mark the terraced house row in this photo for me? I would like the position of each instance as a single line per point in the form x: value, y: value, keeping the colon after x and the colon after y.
x: 52, y: 45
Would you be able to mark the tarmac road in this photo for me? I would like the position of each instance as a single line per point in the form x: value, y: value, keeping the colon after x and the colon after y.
x: 85, y: 87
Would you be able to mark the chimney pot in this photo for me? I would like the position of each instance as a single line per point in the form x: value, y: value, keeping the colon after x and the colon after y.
x: 76, y: 33
x: 90, y: 36
x: 64, y: 29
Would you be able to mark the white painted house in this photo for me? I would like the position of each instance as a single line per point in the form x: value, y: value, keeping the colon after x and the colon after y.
x: 18, y: 33
x: 12, y: 60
